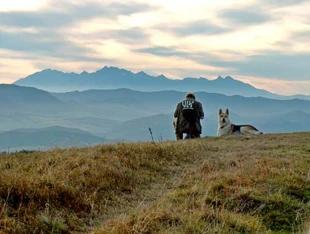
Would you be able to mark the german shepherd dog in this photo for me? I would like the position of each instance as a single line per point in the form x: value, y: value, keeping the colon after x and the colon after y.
x: 225, y: 127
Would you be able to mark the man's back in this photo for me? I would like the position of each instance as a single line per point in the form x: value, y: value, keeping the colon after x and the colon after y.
x: 188, y: 114
x: 190, y: 110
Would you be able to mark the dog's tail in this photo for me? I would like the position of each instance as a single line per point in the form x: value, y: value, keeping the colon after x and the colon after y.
x: 255, y: 132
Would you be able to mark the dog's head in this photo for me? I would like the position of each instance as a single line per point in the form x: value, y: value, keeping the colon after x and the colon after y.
x: 223, y: 118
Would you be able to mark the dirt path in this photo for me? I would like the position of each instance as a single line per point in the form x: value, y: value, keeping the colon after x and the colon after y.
x: 127, y: 202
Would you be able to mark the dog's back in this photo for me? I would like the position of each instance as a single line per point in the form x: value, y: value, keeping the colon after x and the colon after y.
x: 245, y: 129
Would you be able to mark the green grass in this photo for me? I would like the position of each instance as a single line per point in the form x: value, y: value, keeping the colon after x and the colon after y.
x: 257, y: 184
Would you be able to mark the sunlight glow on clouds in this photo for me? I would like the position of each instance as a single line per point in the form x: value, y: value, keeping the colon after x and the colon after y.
x: 21, y: 5
x: 14, y: 64
x: 258, y: 41
x: 278, y: 86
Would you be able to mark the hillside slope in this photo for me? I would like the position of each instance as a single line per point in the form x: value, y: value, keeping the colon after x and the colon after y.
x: 46, y: 138
x: 256, y: 184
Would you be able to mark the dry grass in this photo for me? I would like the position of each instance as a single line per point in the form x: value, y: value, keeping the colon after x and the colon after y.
x: 214, y: 185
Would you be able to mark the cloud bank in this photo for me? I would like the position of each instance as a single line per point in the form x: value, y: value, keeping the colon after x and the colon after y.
x: 260, y: 42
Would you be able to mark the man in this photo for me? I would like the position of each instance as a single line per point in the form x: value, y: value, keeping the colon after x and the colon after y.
x: 187, y: 117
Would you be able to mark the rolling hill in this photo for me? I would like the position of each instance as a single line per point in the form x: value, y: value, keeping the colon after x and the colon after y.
x: 45, y: 138
x: 158, y: 102
x: 162, y: 128
x: 14, y: 96
x: 127, y: 114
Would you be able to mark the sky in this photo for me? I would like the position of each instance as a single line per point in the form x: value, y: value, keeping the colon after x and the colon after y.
x: 265, y: 43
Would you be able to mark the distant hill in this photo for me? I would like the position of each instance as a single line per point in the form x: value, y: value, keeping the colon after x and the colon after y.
x: 127, y: 114
x: 162, y: 128
x: 294, y: 121
x: 161, y: 102
x: 138, y: 129
x: 95, y: 125
x: 18, y: 96
x: 50, y: 137
x: 114, y: 78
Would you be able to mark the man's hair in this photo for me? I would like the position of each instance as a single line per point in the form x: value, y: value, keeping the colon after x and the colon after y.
x: 190, y: 95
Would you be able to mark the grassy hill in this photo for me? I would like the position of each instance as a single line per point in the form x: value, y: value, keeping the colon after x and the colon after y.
x: 256, y: 184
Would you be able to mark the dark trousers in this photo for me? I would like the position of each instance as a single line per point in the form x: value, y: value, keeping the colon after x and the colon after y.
x: 179, y: 136
x: 190, y: 134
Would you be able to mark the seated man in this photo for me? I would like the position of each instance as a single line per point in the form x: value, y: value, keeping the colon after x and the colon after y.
x: 187, y: 117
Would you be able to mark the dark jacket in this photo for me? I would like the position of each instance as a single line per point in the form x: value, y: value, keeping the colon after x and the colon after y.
x: 182, y: 125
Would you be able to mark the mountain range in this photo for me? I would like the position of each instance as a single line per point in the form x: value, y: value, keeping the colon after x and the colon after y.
x: 126, y: 115
x: 115, y: 78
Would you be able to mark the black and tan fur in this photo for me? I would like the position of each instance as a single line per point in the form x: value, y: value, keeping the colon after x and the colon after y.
x: 225, y: 127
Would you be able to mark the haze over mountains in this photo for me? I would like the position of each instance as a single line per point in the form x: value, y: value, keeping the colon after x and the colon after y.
x: 101, y: 115
x: 114, y: 78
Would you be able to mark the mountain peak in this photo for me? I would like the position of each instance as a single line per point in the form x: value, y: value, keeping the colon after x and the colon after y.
x: 113, y: 70
x: 141, y: 73
x: 49, y: 70
x: 161, y: 76
x: 225, y: 79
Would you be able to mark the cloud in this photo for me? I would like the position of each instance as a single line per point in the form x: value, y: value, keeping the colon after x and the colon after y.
x: 130, y: 36
x: 54, y: 16
x: 44, y: 43
x: 245, y: 16
x: 48, y: 31
x: 303, y: 35
x: 277, y: 65
x: 203, y: 58
x: 269, y: 64
x: 14, y: 65
x: 281, y: 3
x: 162, y: 51
x: 201, y: 27
x: 276, y: 85
x: 35, y: 19
x: 264, y: 38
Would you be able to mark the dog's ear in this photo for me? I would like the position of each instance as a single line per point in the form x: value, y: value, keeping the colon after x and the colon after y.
x: 220, y: 111
x: 227, y: 111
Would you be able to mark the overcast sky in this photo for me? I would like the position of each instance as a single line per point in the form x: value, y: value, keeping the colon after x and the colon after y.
x: 262, y: 42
